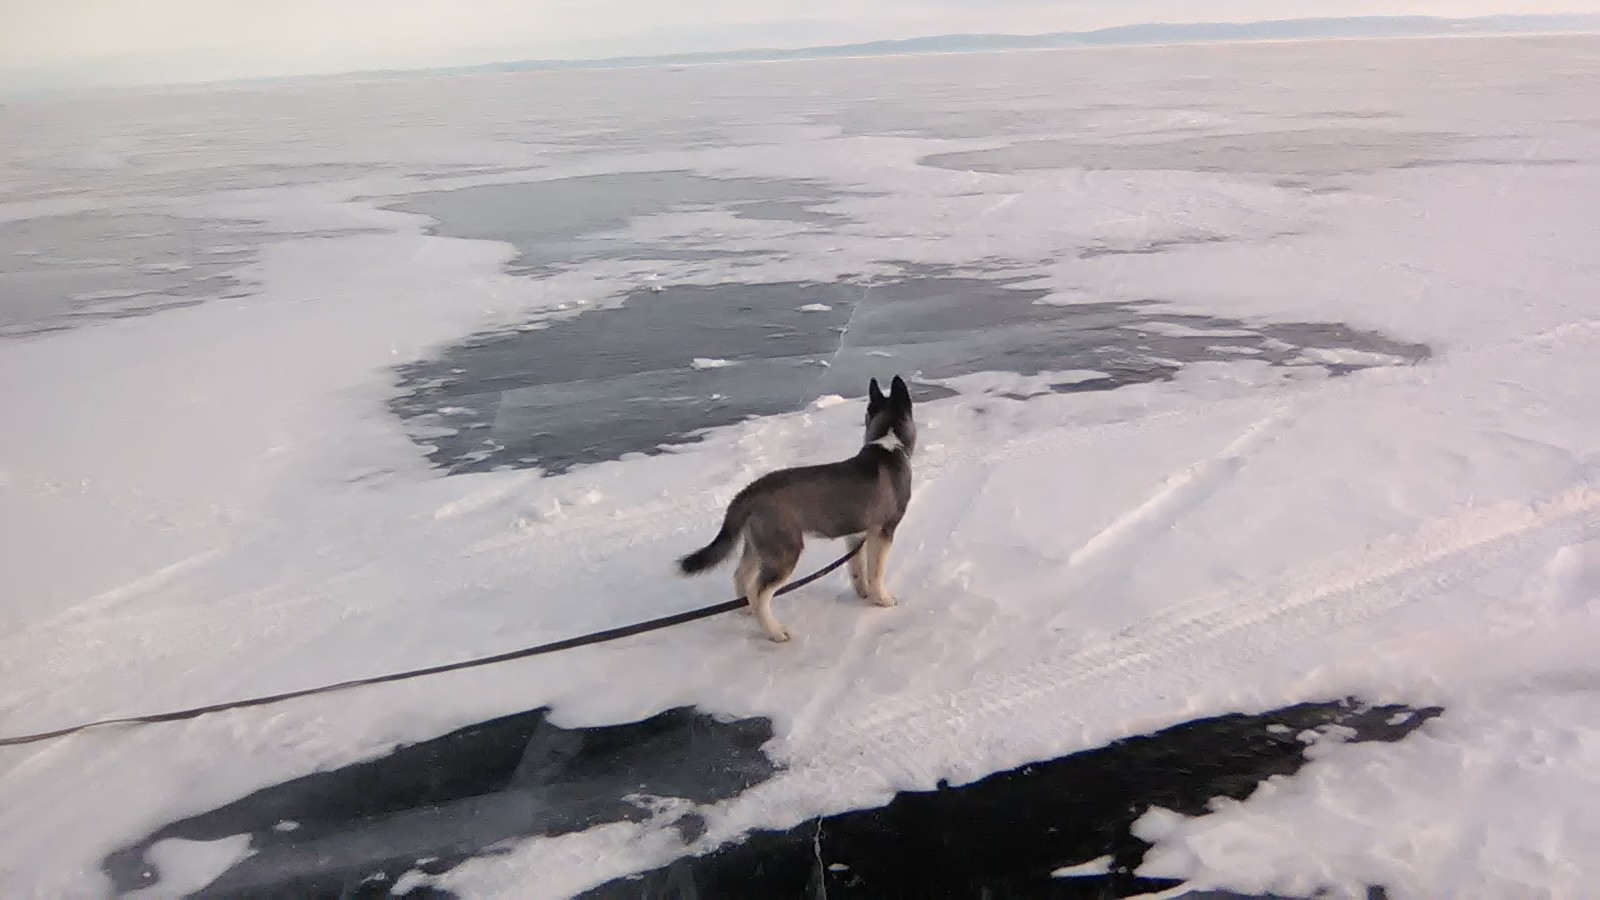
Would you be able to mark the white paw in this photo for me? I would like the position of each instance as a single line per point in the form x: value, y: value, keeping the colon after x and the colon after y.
x: 860, y: 587
x: 884, y: 598
x: 779, y: 635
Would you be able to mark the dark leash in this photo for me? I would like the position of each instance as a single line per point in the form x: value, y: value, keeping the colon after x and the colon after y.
x: 599, y: 637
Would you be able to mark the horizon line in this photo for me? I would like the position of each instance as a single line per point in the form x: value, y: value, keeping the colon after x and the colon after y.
x: 1127, y: 35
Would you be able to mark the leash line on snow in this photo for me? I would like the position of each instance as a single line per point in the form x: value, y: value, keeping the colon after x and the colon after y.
x: 599, y: 637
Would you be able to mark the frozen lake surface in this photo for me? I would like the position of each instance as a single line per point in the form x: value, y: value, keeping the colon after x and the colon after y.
x: 625, y: 379
x: 1256, y: 542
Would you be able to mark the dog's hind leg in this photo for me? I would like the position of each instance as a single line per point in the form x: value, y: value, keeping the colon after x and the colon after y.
x: 779, y: 552
x: 768, y: 581
x: 776, y: 546
x: 858, y: 574
x: 744, y: 576
x: 876, y: 552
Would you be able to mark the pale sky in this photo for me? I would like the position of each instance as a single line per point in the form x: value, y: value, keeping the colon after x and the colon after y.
x: 73, y: 41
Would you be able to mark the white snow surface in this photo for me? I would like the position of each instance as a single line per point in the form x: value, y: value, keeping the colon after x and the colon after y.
x: 211, y: 502
x: 1099, y: 866
x: 191, y: 865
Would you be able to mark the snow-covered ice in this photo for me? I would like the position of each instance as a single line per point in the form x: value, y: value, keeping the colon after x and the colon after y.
x: 210, y: 499
x: 1098, y: 866
x: 191, y: 865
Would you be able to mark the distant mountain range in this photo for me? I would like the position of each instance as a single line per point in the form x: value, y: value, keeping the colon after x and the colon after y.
x: 92, y: 76
x: 1125, y: 35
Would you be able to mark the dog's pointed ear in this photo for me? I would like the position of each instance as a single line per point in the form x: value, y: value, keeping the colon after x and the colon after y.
x: 899, y: 394
x: 874, y: 395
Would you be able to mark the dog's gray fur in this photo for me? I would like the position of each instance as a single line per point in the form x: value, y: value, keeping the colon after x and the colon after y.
x: 862, y: 498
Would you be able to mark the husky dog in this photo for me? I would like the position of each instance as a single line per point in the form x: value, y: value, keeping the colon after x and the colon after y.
x: 862, y: 498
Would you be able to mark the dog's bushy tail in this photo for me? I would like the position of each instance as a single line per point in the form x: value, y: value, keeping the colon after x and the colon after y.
x: 712, y: 554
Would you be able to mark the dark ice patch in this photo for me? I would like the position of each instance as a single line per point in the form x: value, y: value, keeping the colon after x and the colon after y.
x: 1005, y: 834
x: 65, y: 271
x: 618, y: 380
x: 352, y: 831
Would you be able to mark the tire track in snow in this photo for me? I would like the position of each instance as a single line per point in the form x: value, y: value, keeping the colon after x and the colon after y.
x: 1370, y: 581
x: 1187, y: 646
x: 906, y: 745
x: 104, y: 601
x: 1179, y: 493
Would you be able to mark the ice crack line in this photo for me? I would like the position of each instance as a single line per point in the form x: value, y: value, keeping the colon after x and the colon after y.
x: 844, y: 333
